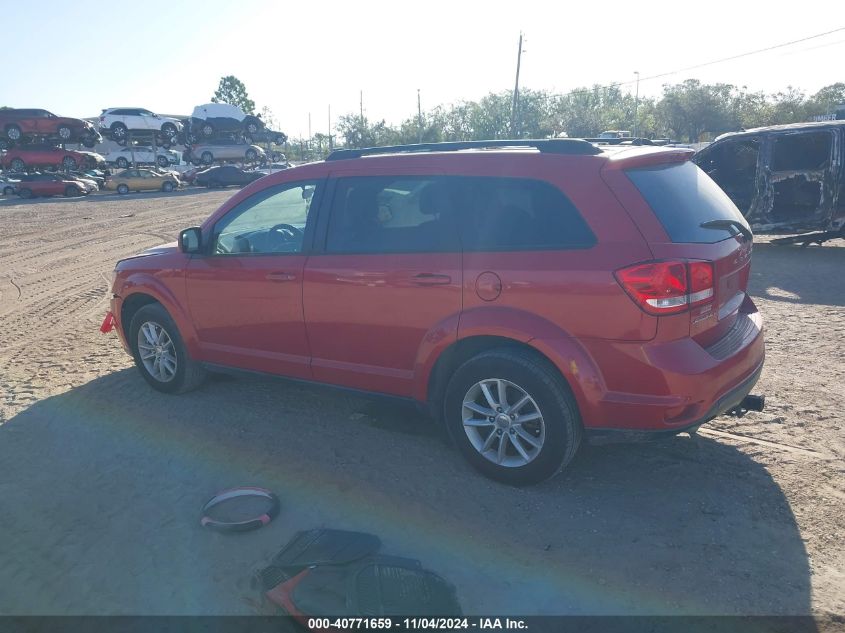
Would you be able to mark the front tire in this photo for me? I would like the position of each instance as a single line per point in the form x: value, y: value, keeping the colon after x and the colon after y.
x: 167, y: 187
x: 207, y: 158
x: 68, y: 163
x: 122, y: 162
x: 65, y: 133
x: 17, y: 165
x: 162, y: 161
x: 122, y: 189
x: 72, y: 191
x: 160, y: 354
x: 14, y: 133
x: 251, y: 155
x: 512, y: 416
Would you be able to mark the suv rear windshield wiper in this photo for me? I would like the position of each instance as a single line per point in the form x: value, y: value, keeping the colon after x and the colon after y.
x: 729, y: 224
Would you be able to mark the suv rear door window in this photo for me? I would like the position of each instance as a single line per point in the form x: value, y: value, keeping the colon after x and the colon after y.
x: 390, y: 214
x: 683, y: 198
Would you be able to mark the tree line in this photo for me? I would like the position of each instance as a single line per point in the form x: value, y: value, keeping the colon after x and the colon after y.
x: 690, y: 111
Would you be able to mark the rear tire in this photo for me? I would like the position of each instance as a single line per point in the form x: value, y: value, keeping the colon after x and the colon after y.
x: 207, y: 158
x: 68, y: 163
x: 17, y: 165
x: 72, y: 191
x: 64, y: 133
x: 122, y: 162
x: 161, y: 374
x: 169, y: 130
x: 14, y: 133
x: 119, y: 132
x: 26, y: 194
x: 167, y: 187
x: 550, y: 441
x: 251, y: 155
x: 162, y: 161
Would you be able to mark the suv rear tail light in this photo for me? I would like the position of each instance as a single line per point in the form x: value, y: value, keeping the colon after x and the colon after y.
x: 668, y: 287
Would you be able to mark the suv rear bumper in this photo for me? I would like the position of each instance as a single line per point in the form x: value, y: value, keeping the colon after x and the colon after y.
x: 670, y: 386
x: 727, y: 402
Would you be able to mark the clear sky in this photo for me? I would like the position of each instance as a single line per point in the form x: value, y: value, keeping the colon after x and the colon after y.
x: 76, y: 58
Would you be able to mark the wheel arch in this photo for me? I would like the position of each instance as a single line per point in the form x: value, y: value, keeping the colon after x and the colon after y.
x: 143, y: 291
x: 543, y: 340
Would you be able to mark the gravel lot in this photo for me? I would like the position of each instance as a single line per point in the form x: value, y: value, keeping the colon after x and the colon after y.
x: 102, y: 479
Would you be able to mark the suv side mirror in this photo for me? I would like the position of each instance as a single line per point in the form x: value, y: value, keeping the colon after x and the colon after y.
x: 190, y: 240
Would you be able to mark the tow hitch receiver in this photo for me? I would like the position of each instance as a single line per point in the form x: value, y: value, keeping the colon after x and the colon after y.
x: 749, y: 403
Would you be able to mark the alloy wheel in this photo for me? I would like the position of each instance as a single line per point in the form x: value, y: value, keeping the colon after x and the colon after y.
x: 157, y: 351
x: 503, y: 422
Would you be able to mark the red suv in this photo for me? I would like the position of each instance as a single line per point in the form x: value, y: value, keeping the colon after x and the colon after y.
x: 19, y: 123
x: 35, y: 156
x: 528, y: 292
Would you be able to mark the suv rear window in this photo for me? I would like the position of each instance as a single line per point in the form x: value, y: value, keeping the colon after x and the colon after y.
x: 683, y: 197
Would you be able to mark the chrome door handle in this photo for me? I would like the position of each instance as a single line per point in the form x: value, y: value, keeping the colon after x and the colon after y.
x: 280, y: 276
x: 431, y: 279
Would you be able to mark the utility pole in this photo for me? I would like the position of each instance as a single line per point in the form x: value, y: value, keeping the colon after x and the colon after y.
x: 515, y: 105
x: 330, y: 127
x: 637, y: 107
x: 419, y: 116
x: 362, y: 108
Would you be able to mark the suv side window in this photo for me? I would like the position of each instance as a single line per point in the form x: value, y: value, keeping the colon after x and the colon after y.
x: 515, y: 214
x: 389, y: 214
x: 270, y: 222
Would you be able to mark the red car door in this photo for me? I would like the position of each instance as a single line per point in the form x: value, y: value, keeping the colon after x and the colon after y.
x: 385, y: 281
x: 245, y: 291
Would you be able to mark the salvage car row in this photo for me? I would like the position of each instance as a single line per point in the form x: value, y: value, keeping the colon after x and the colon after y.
x: 22, y: 126
x: 82, y: 183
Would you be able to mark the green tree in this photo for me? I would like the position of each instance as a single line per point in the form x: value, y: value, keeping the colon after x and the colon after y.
x: 826, y: 100
x: 232, y: 90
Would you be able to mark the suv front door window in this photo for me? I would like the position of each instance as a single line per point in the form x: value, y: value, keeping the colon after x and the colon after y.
x: 245, y: 292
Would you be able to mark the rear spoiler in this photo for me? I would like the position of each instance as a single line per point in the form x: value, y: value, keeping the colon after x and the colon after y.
x: 647, y: 157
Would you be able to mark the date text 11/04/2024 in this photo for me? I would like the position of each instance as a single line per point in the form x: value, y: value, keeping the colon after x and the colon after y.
x: 435, y: 624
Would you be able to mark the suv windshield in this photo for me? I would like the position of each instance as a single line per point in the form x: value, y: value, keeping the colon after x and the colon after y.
x: 683, y: 198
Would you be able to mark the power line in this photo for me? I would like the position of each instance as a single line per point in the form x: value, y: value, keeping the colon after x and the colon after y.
x: 710, y: 63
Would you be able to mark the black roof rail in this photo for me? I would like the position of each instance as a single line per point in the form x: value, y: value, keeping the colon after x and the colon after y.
x: 627, y: 140
x: 546, y: 146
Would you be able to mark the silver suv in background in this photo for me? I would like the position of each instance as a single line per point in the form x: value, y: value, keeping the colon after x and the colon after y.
x: 224, y: 149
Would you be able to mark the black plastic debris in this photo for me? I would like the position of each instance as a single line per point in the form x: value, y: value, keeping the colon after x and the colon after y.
x: 339, y: 573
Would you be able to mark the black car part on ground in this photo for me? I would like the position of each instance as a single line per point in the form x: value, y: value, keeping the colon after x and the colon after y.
x: 336, y: 572
x: 785, y: 179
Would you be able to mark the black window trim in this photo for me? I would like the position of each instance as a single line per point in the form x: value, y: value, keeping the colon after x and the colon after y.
x: 322, y: 234
x: 267, y: 192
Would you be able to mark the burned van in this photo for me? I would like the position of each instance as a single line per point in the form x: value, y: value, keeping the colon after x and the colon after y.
x: 786, y: 179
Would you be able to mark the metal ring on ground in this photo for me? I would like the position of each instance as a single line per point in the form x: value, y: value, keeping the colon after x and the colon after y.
x: 240, y: 526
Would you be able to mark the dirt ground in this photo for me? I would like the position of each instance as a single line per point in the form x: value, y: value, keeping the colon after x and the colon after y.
x: 102, y: 479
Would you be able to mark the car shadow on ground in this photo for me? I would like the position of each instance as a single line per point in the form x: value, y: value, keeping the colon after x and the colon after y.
x: 101, y: 488
x: 803, y: 275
